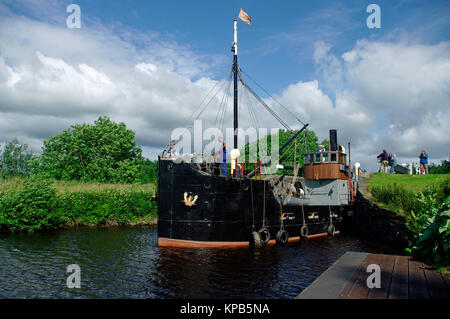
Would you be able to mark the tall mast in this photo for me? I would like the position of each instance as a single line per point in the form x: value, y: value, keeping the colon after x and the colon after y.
x: 235, y: 75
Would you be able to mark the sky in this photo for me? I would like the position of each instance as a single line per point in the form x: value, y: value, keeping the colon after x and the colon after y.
x: 149, y: 64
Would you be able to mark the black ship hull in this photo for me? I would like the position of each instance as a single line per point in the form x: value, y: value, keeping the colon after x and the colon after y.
x: 228, y: 210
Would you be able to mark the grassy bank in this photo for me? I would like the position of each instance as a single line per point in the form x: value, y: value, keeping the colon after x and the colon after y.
x: 414, y: 183
x: 424, y: 201
x: 403, y: 194
x: 37, y: 203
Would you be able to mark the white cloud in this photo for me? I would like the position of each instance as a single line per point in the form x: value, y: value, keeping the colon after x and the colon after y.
x: 53, y: 77
x: 392, y: 95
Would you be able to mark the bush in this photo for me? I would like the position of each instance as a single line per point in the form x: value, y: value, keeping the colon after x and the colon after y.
x: 444, y: 168
x: 427, y: 216
x: 434, y: 242
x: 29, y: 208
x: 104, y: 152
x: 37, y: 205
x: 87, y: 208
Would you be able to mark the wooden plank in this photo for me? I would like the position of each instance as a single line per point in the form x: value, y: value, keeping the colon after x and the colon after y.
x: 330, y: 283
x: 386, y: 267
x: 417, y: 281
x: 399, y: 284
x: 436, y: 285
x: 357, y: 287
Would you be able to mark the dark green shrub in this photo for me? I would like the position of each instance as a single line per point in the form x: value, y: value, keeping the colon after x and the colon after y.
x: 37, y: 206
x: 434, y: 242
x: 87, y: 208
x: 29, y: 208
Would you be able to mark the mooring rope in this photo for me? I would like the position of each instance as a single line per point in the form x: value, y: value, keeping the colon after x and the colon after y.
x: 264, y: 206
x: 253, y: 211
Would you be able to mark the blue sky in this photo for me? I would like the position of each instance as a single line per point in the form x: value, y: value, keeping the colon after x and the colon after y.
x: 382, y: 86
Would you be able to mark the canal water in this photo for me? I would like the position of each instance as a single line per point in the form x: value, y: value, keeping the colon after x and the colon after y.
x: 127, y: 263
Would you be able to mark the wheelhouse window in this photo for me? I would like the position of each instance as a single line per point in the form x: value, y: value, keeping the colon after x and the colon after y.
x: 333, y: 157
x: 325, y: 157
x: 317, y: 158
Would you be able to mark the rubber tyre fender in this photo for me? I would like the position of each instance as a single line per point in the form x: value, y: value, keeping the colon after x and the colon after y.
x: 331, y: 230
x: 255, y: 239
x: 282, y: 237
x: 304, y: 231
x: 264, y: 235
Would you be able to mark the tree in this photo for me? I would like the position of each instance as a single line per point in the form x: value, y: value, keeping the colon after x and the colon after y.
x: 15, y: 158
x: 444, y: 168
x: 286, y: 157
x: 103, y: 152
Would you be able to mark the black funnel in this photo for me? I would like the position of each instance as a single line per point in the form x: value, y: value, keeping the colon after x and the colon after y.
x: 333, y: 140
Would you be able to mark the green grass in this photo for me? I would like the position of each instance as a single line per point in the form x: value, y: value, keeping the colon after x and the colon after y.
x: 402, y: 193
x: 414, y: 183
x: 36, y: 203
x: 15, y: 183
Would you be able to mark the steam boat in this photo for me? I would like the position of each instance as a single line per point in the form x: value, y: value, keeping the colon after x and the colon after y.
x: 198, y: 206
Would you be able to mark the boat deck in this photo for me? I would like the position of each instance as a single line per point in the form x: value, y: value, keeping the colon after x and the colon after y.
x: 400, y: 278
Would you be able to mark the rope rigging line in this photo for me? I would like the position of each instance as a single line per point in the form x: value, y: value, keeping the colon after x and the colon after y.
x: 250, y: 110
x: 222, y: 107
x: 204, y: 99
x: 284, y: 107
x: 206, y: 105
x: 266, y: 106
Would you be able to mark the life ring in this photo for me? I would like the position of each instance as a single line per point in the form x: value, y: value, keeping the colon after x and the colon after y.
x: 264, y: 235
x: 255, y: 239
x: 282, y: 237
x: 304, y: 231
x: 331, y: 230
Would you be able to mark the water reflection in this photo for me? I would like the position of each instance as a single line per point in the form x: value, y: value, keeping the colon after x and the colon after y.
x: 126, y: 263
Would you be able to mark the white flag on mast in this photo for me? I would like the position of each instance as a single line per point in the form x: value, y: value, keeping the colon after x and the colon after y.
x: 245, y: 17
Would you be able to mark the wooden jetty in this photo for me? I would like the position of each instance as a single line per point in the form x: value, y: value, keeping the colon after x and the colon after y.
x: 400, y: 278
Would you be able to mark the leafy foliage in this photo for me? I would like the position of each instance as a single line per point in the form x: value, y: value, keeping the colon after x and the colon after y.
x: 427, y: 215
x: 30, y: 207
x: 103, y: 152
x: 147, y: 171
x: 286, y: 157
x: 15, y: 159
x: 444, y: 168
x: 36, y: 204
x: 434, y: 241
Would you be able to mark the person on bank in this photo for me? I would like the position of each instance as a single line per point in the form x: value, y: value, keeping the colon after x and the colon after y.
x: 383, y: 158
x: 423, y: 162
x: 393, y: 163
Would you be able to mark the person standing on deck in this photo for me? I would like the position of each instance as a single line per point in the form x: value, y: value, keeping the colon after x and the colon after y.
x: 224, y: 155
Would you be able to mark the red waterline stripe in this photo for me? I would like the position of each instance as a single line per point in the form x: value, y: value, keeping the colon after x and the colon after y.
x: 170, y: 242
